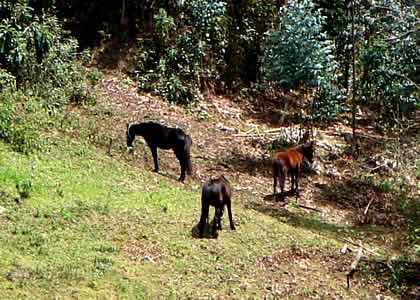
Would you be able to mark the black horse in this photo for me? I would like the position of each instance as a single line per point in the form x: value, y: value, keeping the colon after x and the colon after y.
x: 216, y: 192
x: 159, y: 136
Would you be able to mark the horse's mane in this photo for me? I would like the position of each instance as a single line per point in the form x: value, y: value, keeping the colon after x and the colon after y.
x: 221, y: 178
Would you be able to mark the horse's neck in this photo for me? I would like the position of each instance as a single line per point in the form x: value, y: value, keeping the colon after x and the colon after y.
x: 136, y: 129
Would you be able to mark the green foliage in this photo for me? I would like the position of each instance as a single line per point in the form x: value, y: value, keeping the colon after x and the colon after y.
x: 24, y: 39
x: 164, y: 23
x: 389, y: 58
x: 7, y: 81
x: 299, y: 55
x: 24, y: 188
x: 42, y: 57
x: 175, y: 67
x: 409, y: 208
x: 15, y: 128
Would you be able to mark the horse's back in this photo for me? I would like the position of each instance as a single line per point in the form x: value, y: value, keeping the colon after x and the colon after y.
x: 290, y: 159
x: 216, y: 190
x: 295, y: 158
x: 281, y: 159
x: 164, y: 137
x: 155, y: 134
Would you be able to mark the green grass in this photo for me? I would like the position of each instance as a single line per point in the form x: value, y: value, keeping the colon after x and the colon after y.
x: 93, y: 226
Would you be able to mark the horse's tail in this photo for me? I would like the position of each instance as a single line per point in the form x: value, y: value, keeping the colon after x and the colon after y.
x: 278, y: 169
x: 187, y: 154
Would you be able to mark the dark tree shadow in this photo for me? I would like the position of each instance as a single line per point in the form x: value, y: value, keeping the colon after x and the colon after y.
x: 349, y: 194
x: 297, y: 219
x: 369, y: 203
x: 238, y: 162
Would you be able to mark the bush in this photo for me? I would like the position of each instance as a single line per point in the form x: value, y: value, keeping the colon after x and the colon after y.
x: 43, y: 58
x: 16, y: 128
x: 182, y: 58
x: 299, y: 56
x: 388, y: 59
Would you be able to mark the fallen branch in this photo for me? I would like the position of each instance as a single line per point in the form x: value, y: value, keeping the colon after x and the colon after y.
x: 362, y: 247
x: 353, y: 266
x: 248, y: 135
x: 309, y: 207
x: 367, y: 207
x: 344, y: 249
x: 371, y: 170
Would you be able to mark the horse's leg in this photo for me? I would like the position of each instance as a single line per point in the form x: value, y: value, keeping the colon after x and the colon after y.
x: 275, y: 175
x: 217, y: 219
x: 187, y: 154
x: 275, y: 183
x: 229, y: 209
x: 179, y: 153
x: 297, y: 182
x: 222, y: 211
x: 153, y: 148
x: 283, y: 175
x: 292, y: 179
x: 204, y: 216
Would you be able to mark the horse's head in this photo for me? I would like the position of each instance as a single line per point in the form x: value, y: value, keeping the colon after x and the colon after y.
x: 308, y: 151
x: 130, y: 136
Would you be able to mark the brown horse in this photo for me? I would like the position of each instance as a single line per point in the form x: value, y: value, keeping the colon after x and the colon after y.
x: 216, y: 192
x: 289, y: 164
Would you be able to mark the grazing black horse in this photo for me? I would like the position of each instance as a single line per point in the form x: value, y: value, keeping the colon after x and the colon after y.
x: 216, y: 192
x: 159, y: 136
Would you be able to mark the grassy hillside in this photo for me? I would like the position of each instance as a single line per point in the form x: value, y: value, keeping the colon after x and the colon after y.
x: 76, y: 222
x: 94, y: 227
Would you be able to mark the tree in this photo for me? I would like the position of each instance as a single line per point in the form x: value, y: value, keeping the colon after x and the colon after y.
x: 298, y: 55
x: 388, y: 58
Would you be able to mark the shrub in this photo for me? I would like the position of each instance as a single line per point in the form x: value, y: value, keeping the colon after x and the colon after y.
x: 388, y: 58
x: 182, y: 58
x: 15, y: 128
x: 41, y: 55
x: 298, y: 55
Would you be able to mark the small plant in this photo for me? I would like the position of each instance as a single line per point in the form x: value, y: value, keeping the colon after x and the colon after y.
x: 165, y: 206
x: 24, y: 188
x: 82, y: 151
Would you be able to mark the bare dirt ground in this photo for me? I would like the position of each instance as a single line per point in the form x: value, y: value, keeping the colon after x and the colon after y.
x: 233, y: 138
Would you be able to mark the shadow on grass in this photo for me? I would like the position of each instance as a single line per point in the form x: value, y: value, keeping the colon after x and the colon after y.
x: 207, y: 234
x: 297, y: 219
x: 238, y: 162
x: 352, y: 194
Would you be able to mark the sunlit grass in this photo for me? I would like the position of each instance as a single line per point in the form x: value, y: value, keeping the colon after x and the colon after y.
x: 95, y: 227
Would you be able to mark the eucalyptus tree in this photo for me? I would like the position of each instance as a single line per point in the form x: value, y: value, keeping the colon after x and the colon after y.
x: 388, y: 58
x: 298, y: 55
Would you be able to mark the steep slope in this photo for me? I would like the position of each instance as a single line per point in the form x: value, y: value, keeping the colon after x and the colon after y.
x: 97, y: 223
